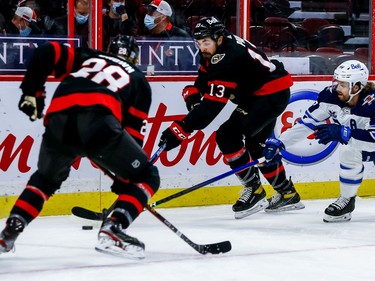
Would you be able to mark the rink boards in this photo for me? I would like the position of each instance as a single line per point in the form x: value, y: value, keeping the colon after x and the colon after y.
x: 314, y: 168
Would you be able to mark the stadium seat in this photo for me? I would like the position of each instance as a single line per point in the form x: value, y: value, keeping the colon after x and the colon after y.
x: 279, y: 33
x: 331, y: 36
x: 361, y: 54
x: 258, y: 36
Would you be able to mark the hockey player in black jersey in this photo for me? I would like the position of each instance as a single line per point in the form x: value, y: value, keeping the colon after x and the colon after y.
x: 98, y: 111
x: 344, y: 112
x: 232, y: 69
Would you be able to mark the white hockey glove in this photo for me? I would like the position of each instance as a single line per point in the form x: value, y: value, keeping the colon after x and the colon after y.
x: 33, y: 106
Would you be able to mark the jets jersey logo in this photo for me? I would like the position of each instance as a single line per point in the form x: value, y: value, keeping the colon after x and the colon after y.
x: 217, y: 58
x: 369, y: 99
x: 332, y: 113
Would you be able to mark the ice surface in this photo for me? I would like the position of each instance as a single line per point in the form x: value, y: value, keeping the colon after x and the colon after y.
x: 291, y: 246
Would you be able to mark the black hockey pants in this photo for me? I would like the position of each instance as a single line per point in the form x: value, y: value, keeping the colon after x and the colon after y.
x: 93, y: 134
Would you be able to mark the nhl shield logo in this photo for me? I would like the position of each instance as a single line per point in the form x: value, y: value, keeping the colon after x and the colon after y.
x: 217, y: 58
x: 136, y: 163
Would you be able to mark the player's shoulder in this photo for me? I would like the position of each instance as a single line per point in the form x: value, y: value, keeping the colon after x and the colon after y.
x: 228, y: 53
x: 367, y: 100
x: 234, y: 45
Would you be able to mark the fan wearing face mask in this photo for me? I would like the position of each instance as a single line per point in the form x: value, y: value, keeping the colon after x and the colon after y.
x: 81, y: 22
x: 22, y: 23
x: 118, y: 19
x: 158, y: 21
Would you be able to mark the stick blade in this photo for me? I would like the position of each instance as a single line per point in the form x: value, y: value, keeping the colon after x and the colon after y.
x: 87, y: 214
x: 217, y: 248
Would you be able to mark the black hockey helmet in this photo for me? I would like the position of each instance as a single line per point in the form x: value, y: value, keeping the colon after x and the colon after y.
x: 208, y: 27
x: 125, y: 46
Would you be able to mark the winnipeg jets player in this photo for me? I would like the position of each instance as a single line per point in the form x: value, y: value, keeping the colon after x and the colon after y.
x: 350, y: 106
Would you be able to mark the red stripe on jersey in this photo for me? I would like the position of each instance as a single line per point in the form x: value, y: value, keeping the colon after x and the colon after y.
x: 136, y: 112
x: 38, y: 192
x: 56, y: 46
x: 215, y: 98
x: 135, y: 133
x: 69, y: 63
x: 27, y: 207
x: 235, y: 155
x: 201, y: 68
x: 146, y: 189
x: 231, y: 85
x: 274, y: 173
x: 122, y: 180
x: 275, y: 86
x: 132, y: 200
x: 89, y: 99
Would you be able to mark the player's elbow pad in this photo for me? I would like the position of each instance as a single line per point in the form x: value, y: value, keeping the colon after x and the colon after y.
x: 192, y: 97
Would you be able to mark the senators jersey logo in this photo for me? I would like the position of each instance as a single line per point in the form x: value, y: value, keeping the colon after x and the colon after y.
x: 217, y: 58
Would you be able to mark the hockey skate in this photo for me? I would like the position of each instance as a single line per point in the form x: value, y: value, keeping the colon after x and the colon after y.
x: 285, y: 199
x: 114, y: 241
x: 250, y: 202
x: 340, y: 210
x: 14, y: 226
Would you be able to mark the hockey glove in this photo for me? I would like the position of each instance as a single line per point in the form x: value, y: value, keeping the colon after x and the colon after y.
x: 33, y: 106
x: 272, y: 151
x: 332, y: 132
x: 191, y: 96
x: 173, y: 136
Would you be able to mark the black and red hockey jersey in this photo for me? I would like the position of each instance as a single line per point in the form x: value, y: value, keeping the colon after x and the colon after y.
x: 91, y: 78
x: 236, y: 72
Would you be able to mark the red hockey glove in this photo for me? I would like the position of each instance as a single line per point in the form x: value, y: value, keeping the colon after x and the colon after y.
x: 33, y: 106
x: 191, y: 96
x: 173, y: 136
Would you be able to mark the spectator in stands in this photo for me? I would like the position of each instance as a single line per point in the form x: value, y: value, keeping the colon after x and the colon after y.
x: 81, y: 23
x: 158, y: 21
x: 117, y: 21
x: 22, y: 23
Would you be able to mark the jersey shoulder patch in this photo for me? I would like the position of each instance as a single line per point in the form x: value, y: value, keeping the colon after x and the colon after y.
x: 217, y: 58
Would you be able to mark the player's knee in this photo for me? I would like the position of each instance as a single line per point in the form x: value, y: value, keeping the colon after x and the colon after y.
x: 221, y: 139
x: 150, y: 176
x: 42, y: 183
x: 119, y: 187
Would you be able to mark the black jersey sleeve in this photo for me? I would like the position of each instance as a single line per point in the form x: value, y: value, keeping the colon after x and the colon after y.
x: 136, y: 114
x: 48, y: 59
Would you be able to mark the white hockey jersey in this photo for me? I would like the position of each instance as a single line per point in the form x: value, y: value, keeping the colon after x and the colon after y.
x: 327, y: 109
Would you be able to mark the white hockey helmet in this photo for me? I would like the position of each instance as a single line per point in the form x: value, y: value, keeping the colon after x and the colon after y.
x: 354, y: 72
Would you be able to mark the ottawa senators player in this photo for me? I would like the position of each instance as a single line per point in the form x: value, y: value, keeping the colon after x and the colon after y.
x: 98, y: 111
x: 233, y: 69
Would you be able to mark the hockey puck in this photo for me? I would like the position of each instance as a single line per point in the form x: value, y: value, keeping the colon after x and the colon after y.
x: 87, y: 227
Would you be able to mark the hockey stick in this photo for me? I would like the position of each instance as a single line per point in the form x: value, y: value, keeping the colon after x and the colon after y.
x: 96, y: 216
x: 90, y: 215
x: 215, y: 248
x: 207, y: 182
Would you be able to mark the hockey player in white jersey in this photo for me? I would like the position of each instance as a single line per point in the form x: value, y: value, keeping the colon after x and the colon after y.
x: 344, y: 112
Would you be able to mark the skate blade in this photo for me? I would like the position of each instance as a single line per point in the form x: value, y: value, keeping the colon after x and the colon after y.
x: 293, y: 207
x: 109, y: 247
x: 5, y: 249
x: 261, y: 205
x: 343, y: 218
